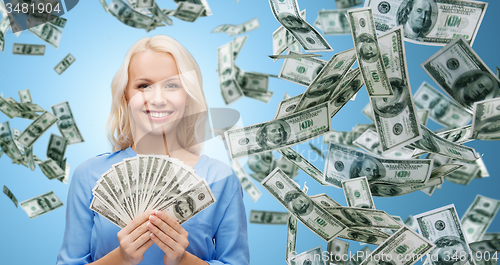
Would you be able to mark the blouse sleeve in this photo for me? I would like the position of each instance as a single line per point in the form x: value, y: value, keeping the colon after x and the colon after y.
x: 79, y: 220
x: 231, y: 238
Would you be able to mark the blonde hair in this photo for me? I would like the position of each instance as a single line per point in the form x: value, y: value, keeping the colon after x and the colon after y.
x: 191, y: 128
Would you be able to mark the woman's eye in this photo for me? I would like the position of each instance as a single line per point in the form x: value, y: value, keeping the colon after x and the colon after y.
x: 142, y: 86
x: 171, y: 86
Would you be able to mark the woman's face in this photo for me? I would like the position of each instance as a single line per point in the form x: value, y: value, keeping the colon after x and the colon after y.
x: 155, y: 95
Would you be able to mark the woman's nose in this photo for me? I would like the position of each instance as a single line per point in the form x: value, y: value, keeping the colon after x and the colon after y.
x: 156, y: 96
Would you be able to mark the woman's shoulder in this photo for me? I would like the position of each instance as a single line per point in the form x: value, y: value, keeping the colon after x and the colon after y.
x: 101, y: 162
x: 216, y: 171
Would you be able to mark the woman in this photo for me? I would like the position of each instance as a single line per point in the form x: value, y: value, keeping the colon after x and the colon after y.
x: 158, y: 106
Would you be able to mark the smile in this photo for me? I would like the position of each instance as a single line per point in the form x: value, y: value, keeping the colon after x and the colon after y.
x: 158, y: 114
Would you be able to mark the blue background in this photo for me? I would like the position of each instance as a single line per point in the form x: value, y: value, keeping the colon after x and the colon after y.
x: 99, y: 42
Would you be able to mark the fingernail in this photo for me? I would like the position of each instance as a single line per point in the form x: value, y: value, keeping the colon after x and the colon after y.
x: 159, y: 213
x: 152, y: 212
x: 148, y: 224
x: 152, y: 218
x: 152, y: 235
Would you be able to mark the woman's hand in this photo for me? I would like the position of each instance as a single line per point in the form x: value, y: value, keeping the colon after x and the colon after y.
x: 134, y: 240
x: 169, y: 235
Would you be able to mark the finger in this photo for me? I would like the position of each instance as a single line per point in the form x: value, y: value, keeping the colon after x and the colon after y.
x: 135, y: 223
x: 164, y: 247
x: 141, y: 240
x: 165, y: 228
x: 168, y: 240
x: 171, y: 222
x: 143, y: 228
x: 145, y: 246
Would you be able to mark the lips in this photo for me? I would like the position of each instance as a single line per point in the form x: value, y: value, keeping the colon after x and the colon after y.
x: 158, y: 114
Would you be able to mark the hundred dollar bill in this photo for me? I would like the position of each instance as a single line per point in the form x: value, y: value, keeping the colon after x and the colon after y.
x: 347, y: 4
x: 291, y: 237
x: 334, y: 22
x: 276, y: 134
x: 104, y: 5
x: 347, y: 89
x: 4, y: 26
x: 252, y: 82
x: 343, y: 163
x: 289, y: 168
x: 368, y: 53
x: 442, y: 227
x: 56, y: 149
x: 283, y: 39
x: 295, y: 56
x: 423, y: 116
x: 128, y: 16
x: 232, y: 30
x: 200, y: 195
x: 301, y: 206
x: 264, y: 97
x: 287, y: 14
x: 267, y: 217
x: 478, y: 217
x: 488, y: 245
x: 411, y: 223
x: 326, y: 83
x: 237, y: 44
x: 230, y: 89
x: 41, y: 204
x: 28, y: 49
x: 287, y: 106
x: 25, y: 96
x: 302, y: 163
x: 51, y: 169
x: 432, y: 143
x: 245, y: 181
x: 485, y: 124
x: 369, y: 141
x: 66, y: 123
x: 357, y: 193
x: 404, y: 247
x: 8, y: 108
x: 8, y: 144
x: 64, y: 64
x: 48, y: 33
x: 335, y: 249
x: 311, y: 257
x: 9, y: 194
x: 464, y: 175
x: 59, y: 21
x: 443, y: 110
x: 37, y: 128
x: 188, y: 11
x: 430, y: 22
x: 363, y: 218
x: 301, y: 71
x: 461, y: 73
x: 483, y: 171
x: 395, y: 116
x: 441, y: 171
x: 459, y: 136
x: 145, y: 3
x: 367, y: 111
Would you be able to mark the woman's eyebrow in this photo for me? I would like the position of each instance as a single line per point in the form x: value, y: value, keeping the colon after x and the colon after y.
x: 144, y: 79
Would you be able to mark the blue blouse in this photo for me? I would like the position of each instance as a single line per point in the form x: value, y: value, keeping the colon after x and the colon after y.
x: 217, y: 235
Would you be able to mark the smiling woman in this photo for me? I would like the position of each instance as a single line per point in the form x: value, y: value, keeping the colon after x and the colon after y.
x: 158, y: 108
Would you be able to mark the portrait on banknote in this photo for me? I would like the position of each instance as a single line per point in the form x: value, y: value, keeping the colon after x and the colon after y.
x: 291, y: 22
x: 385, y: 189
x: 427, y: 142
x: 367, y: 167
x: 417, y: 17
x: 473, y: 86
x: 299, y: 202
x: 273, y: 134
x: 392, y: 106
x: 368, y: 46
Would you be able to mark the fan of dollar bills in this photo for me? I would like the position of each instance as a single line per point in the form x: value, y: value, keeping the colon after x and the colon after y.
x: 150, y: 182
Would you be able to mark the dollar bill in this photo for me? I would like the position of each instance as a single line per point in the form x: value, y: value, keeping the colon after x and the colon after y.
x: 430, y: 22
x: 347, y: 89
x: 363, y: 218
x: 442, y: 227
x: 486, y: 120
x: 262, y: 164
x: 59, y: 21
x: 335, y: 249
x: 51, y: 169
x: 316, y: 150
x: 289, y: 168
x: 357, y: 193
x: 56, y: 149
x: 66, y: 123
x: 252, y: 83
x: 465, y: 174
x: 287, y: 14
x: 478, y: 217
x: 459, y: 136
x: 302, y: 163
x: 145, y: 3
x: 237, y: 44
x: 276, y: 134
x: 411, y: 223
x: 41, y: 204
x: 264, y: 97
x: 200, y: 194
x: 301, y: 71
x: 188, y: 11
x: 488, y: 245
x: 25, y: 96
x: 267, y: 217
x: 483, y: 171
x: 326, y: 83
x: 440, y: 171
x: 4, y: 26
x: 9, y: 194
x: 395, y: 117
x: 64, y: 64
x: 8, y: 109
x: 442, y: 110
x: 295, y: 56
x: 28, y: 49
x: 64, y: 179
x: 334, y: 22
x: 461, y: 73
x: 423, y: 116
x: 369, y: 141
x: 301, y: 206
x: 128, y: 16
x: 291, y: 237
x: 230, y: 89
x: 312, y: 257
x: 37, y: 128
x: 323, y: 200
x: 405, y: 242
x: 232, y: 30
x: 368, y: 53
x: 432, y: 143
x: 344, y: 163
x: 245, y: 181
x: 283, y: 39
x: 48, y: 33
x: 347, y: 4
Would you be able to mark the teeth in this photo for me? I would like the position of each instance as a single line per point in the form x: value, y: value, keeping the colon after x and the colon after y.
x: 158, y: 114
